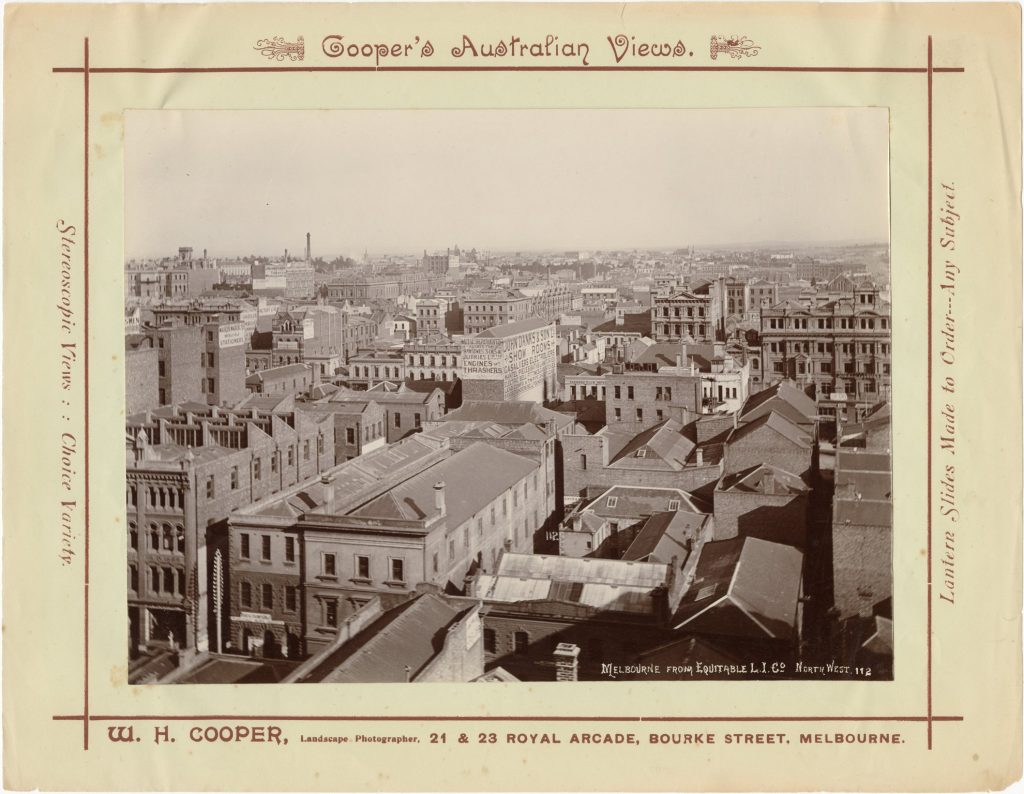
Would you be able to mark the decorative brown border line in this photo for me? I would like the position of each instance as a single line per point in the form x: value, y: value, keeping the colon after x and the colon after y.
x: 86, y: 70
x: 85, y: 383
x: 503, y: 718
x: 254, y: 69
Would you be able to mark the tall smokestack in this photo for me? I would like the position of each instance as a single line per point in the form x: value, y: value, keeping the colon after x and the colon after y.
x: 309, y: 255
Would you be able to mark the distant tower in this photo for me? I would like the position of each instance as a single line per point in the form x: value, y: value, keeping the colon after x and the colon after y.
x: 309, y: 257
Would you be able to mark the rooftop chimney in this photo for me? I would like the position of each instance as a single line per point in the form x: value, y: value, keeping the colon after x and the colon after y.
x: 327, y: 492
x: 439, y: 501
x: 567, y: 661
x: 700, y: 456
x: 768, y: 482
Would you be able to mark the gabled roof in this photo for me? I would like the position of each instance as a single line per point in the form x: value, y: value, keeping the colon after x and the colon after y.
x: 744, y: 587
x: 666, y: 535
x: 607, y: 585
x: 628, y: 501
x: 753, y: 480
x: 784, y: 397
x: 474, y: 477
x: 518, y: 412
x: 393, y: 649
x: 659, y: 447
x: 776, y: 422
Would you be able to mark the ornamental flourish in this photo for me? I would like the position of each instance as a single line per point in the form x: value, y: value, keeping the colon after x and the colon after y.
x: 277, y: 49
x: 734, y: 46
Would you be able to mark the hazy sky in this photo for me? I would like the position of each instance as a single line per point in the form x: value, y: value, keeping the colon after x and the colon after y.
x: 240, y: 182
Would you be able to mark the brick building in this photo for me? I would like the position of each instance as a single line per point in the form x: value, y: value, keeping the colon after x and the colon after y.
x: 142, y: 390
x: 666, y: 455
x: 517, y: 361
x: 762, y: 501
x: 550, y: 301
x: 770, y: 439
x: 189, y: 466
x: 359, y: 427
x: 862, y: 532
x: 405, y: 411
x: 635, y: 401
x: 287, y: 379
x: 201, y: 363
x: 370, y: 368
x: 434, y: 358
x: 489, y: 308
x: 382, y: 523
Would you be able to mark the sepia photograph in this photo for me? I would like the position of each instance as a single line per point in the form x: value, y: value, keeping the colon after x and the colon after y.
x: 508, y: 396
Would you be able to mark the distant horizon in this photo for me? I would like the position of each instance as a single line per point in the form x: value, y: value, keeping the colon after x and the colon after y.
x: 502, y: 180
x: 755, y: 246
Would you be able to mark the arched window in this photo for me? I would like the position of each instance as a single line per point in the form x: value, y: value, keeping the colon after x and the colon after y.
x: 168, y: 535
x: 179, y: 531
x: 154, y: 537
x: 133, y: 536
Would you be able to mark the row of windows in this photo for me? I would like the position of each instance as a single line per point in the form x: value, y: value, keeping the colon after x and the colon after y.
x: 867, y: 348
x: 639, y: 414
x: 361, y: 567
x: 245, y: 547
x: 821, y: 323
x: 162, y: 538
x: 433, y: 361
x: 825, y: 368
x: 266, y: 593
x: 166, y: 580
x: 173, y: 498
x: 670, y: 329
x: 257, y: 466
x: 677, y: 312
x: 388, y: 371
x: 370, y: 430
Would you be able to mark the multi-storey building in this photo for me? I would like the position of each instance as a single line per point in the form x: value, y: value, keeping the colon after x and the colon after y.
x: 430, y: 317
x: 517, y: 361
x: 489, y: 308
x: 192, y: 363
x: 551, y: 301
x: 680, y: 315
x: 360, y: 286
x: 405, y: 411
x: 188, y: 467
x: 368, y: 369
x: 200, y: 312
x: 440, y: 263
x: 433, y: 359
x: 842, y: 346
x: 382, y: 523
x: 635, y: 401
x: 287, y: 379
